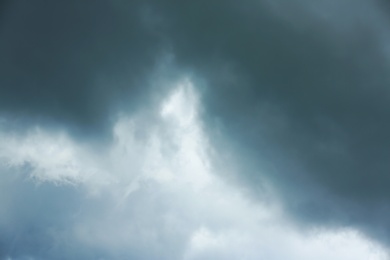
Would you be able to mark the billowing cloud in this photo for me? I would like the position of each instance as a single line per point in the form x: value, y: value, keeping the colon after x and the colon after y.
x: 281, y: 103
x: 300, y: 90
x: 145, y: 198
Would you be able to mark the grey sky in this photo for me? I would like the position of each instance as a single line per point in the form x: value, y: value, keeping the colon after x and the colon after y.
x: 284, y: 102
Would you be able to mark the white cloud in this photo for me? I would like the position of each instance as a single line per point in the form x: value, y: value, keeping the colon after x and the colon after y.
x: 156, y: 194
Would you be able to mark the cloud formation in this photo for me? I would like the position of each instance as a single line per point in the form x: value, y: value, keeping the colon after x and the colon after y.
x: 151, y: 198
x: 301, y: 89
x: 294, y: 110
x: 74, y: 62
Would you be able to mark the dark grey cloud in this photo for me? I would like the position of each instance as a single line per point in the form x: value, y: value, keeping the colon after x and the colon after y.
x: 312, y: 106
x: 69, y: 61
x: 298, y: 89
x: 302, y: 89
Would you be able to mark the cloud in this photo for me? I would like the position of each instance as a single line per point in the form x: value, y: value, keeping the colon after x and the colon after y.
x: 294, y: 112
x: 299, y: 92
x: 154, y: 196
x: 72, y: 63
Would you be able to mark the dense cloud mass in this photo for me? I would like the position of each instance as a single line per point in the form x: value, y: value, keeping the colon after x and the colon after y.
x: 302, y: 88
x: 164, y: 129
x: 71, y: 61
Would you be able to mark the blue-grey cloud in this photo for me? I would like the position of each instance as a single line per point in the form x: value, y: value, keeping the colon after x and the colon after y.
x: 301, y: 89
x: 74, y: 62
x: 297, y: 91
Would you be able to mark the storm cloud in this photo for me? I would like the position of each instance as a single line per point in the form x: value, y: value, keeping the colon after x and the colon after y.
x: 122, y: 111
x: 302, y: 89
x: 71, y: 61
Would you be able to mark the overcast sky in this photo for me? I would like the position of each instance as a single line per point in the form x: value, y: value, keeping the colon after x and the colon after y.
x: 189, y: 130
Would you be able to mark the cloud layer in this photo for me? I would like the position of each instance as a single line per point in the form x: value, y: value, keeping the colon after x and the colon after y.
x: 128, y: 125
x: 300, y: 91
x: 156, y: 197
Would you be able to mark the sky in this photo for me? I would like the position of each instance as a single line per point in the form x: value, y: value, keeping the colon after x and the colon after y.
x: 189, y: 130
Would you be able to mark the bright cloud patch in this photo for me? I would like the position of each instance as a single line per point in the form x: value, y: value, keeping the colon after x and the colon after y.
x: 153, y: 193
